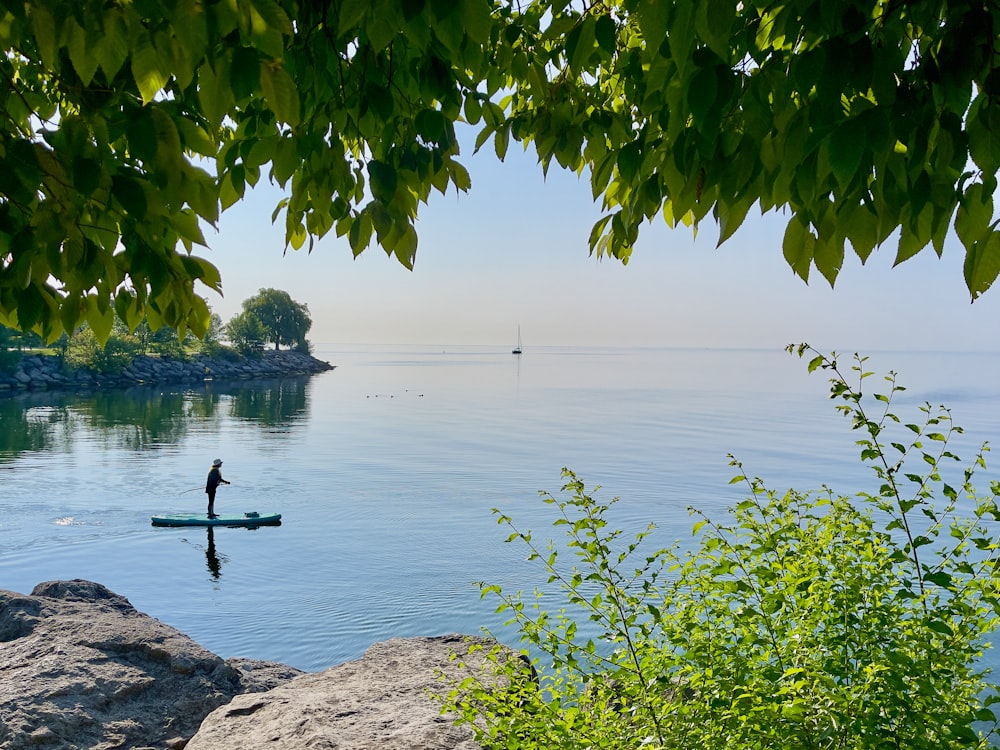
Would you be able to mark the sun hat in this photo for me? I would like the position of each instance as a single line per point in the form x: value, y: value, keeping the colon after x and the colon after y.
x: 217, y: 462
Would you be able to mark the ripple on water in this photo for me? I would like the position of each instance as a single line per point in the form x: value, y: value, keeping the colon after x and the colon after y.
x: 74, y: 521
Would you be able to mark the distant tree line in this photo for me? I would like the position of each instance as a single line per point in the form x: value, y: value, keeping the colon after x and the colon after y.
x: 269, y: 317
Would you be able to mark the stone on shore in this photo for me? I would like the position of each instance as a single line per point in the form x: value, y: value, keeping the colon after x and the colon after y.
x: 379, y: 702
x: 40, y: 372
x: 82, y: 668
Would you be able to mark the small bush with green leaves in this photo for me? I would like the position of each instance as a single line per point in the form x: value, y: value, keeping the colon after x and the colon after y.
x: 804, y: 620
x: 85, y: 351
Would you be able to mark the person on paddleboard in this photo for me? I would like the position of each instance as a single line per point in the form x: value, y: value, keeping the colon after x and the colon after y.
x: 214, y: 480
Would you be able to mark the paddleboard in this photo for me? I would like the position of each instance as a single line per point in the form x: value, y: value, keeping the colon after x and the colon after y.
x: 244, y: 519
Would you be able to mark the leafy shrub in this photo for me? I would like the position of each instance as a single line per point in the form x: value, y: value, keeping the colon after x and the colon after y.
x: 211, y: 345
x: 804, y: 620
x: 246, y: 333
x: 84, y: 351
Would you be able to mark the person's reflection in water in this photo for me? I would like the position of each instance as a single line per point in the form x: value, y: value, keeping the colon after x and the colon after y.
x: 214, y: 564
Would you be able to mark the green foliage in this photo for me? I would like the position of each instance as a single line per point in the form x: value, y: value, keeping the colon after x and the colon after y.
x: 860, y: 120
x: 285, y: 321
x: 246, y: 333
x: 804, y: 620
x: 8, y: 355
x: 109, y: 358
x: 211, y: 345
x: 164, y: 341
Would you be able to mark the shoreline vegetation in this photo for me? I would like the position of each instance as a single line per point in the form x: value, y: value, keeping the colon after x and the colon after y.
x: 132, y: 353
x: 35, y: 372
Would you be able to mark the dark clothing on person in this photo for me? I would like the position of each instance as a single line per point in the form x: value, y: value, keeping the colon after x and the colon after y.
x: 214, y: 480
x: 211, y: 485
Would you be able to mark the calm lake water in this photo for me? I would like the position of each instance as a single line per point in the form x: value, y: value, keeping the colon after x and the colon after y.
x: 386, y: 470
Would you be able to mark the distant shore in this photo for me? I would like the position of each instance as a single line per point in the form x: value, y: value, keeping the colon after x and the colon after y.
x: 41, y: 372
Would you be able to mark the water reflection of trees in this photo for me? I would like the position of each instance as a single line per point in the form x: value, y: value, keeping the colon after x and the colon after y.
x: 145, y: 418
x: 138, y: 418
x: 278, y: 405
x: 26, y: 428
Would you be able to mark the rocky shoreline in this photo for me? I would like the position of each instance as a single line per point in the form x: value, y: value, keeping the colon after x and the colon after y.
x: 82, y: 668
x: 41, y: 372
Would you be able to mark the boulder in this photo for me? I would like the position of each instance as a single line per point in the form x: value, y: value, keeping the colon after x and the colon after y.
x: 82, y: 668
x: 379, y: 702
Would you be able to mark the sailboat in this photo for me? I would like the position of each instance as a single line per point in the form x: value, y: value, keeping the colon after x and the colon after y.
x: 517, y: 349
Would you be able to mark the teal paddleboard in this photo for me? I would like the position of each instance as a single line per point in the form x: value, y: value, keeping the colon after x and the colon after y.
x: 244, y: 519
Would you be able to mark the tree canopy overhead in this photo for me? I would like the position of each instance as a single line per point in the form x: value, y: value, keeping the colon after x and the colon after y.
x: 128, y: 124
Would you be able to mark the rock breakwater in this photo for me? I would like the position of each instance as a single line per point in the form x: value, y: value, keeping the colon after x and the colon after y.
x: 82, y: 668
x: 41, y: 372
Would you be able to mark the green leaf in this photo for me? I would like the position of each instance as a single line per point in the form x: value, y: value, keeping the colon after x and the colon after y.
x: 444, y: 9
x: 351, y: 13
x: 829, y: 258
x: 606, y: 33
x: 859, y: 225
x: 629, y: 160
x: 273, y: 16
x: 797, y: 246
x: 939, y: 626
x: 281, y: 93
x: 473, y: 110
x: 982, y: 128
x: 215, y: 94
x: 127, y: 309
x: 731, y: 215
x: 130, y: 194
x: 406, y: 248
x: 44, y: 27
x: 653, y: 16
x: 87, y: 174
x: 380, y: 100
x: 580, y: 43
x: 501, y: 140
x: 476, y: 20
x: 702, y: 92
x: 982, y: 264
x: 383, y: 180
x: 286, y: 160
x: 81, y: 52
x: 201, y: 269
x: 245, y: 73
x: 844, y: 148
x: 412, y: 8
x: 713, y: 22
x: 460, y: 176
x: 360, y: 233
x: 297, y: 236
x: 974, y: 215
x: 186, y: 224
x: 195, y: 138
x: 430, y: 125
x: 100, y: 317
x: 146, y: 71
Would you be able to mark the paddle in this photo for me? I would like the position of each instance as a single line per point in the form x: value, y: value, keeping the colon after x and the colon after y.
x: 199, y: 488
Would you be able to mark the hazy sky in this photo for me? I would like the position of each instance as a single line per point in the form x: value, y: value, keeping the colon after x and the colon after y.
x: 513, y: 251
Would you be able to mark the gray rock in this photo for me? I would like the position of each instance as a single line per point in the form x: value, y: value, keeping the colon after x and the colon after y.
x: 379, y: 702
x: 82, y: 668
